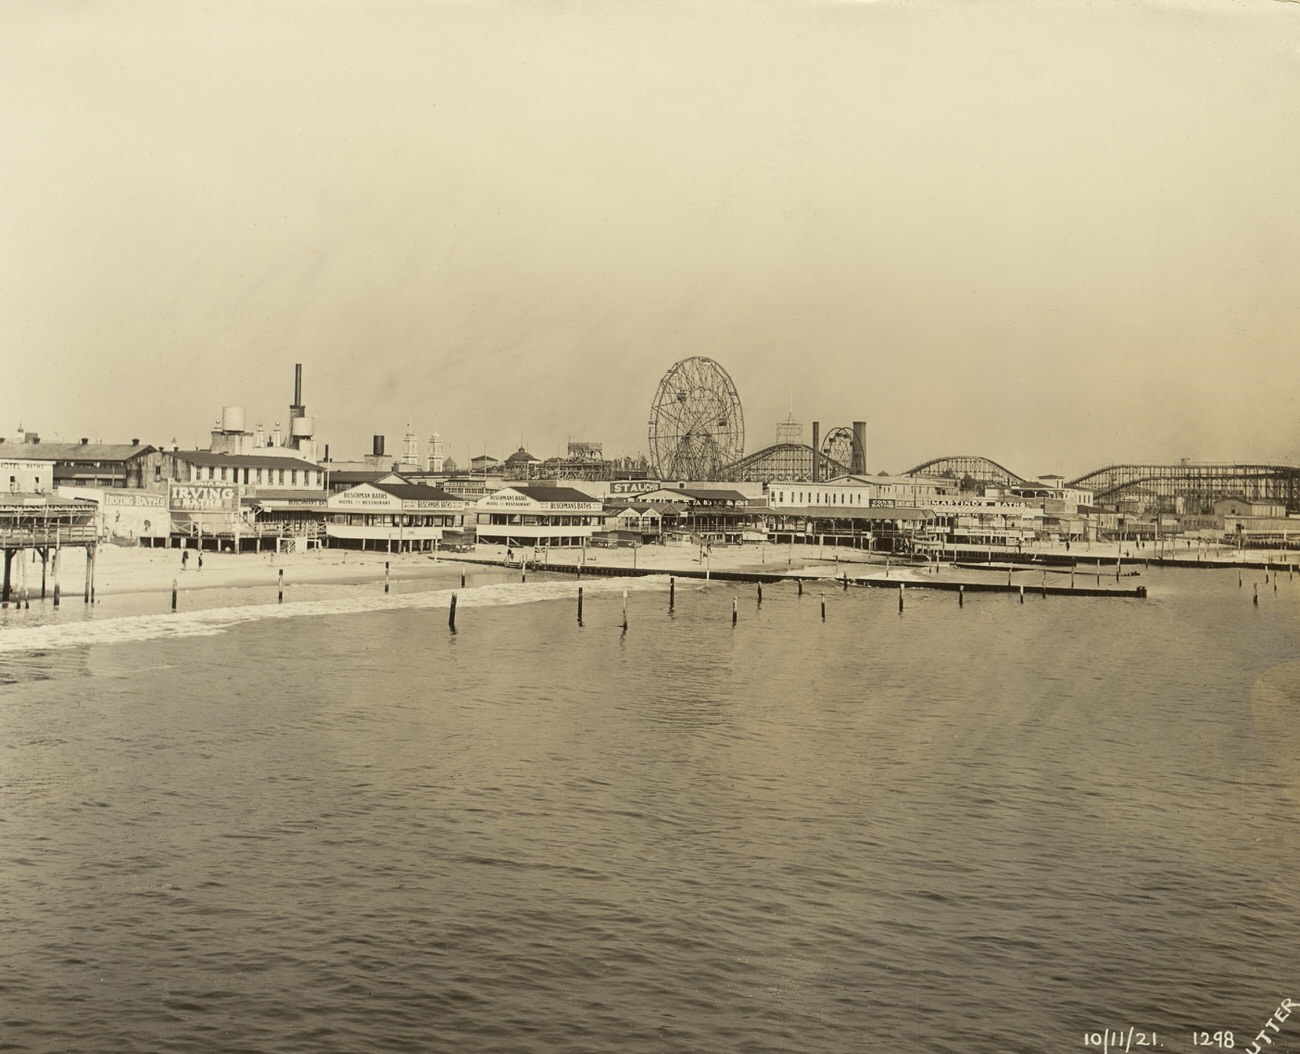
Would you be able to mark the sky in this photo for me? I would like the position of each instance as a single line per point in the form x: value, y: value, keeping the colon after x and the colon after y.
x: 1057, y: 234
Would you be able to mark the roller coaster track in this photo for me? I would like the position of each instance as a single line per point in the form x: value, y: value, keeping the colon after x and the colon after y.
x: 783, y: 461
x: 980, y: 469
x: 1198, y: 485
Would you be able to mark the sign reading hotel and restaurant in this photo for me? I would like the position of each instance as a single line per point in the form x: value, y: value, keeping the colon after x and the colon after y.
x: 366, y: 498
x: 514, y: 501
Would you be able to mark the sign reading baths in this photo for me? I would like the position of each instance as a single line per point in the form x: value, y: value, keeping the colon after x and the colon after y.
x: 374, y: 499
x: 202, y: 497
x: 510, y: 499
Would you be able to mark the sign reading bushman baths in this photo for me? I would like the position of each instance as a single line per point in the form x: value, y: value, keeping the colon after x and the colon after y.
x: 368, y: 498
x: 506, y: 499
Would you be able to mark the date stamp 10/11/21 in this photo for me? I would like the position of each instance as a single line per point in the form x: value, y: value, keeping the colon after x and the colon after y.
x: 1113, y: 1041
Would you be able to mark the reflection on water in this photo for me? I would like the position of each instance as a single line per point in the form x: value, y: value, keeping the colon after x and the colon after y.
x: 982, y: 828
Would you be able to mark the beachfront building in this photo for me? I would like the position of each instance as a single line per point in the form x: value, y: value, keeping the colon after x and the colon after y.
x: 708, y: 514
x: 117, y: 466
x: 121, y: 479
x: 538, y: 516
x: 881, y: 512
x: 42, y: 525
x: 1253, y: 524
x: 25, y: 473
x: 974, y: 522
x: 634, y: 523
x: 393, y: 516
x: 239, y: 501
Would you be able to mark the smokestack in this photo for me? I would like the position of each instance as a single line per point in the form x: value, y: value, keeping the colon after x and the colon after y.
x: 377, y: 446
x: 859, y: 466
x: 297, y: 409
x: 816, y: 449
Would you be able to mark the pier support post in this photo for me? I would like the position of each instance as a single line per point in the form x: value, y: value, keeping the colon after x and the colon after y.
x: 579, y: 605
x: 734, y: 614
x: 961, y: 596
x: 451, y: 615
x: 672, y: 592
x: 173, y: 594
x: 823, y: 597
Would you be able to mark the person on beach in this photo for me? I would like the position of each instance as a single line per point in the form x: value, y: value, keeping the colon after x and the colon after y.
x: 185, y: 559
x: 200, y: 561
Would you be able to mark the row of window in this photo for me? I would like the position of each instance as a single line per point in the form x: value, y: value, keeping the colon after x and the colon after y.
x: 268, y: 477
x: 379, y: 519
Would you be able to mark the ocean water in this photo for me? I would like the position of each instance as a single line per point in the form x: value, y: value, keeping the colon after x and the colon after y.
x: 333, y: 825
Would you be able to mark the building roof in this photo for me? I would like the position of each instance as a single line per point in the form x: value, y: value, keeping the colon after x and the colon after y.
x: 359, y: 475
x: 554, y: 494
x: 417, y: 492
x: 74, y: 451
x: 15, y: 501
x: 522, y: 457
x: 206, y: 457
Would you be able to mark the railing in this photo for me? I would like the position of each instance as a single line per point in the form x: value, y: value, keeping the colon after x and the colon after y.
x: 27, y: 538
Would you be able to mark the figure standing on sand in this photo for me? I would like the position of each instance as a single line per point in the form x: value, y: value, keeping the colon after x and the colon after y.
x: 185, y: 559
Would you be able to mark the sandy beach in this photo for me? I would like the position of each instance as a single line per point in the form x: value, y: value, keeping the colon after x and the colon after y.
x: 127, y: 569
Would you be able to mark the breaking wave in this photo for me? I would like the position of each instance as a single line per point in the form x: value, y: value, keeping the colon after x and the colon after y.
x: 209, y: 621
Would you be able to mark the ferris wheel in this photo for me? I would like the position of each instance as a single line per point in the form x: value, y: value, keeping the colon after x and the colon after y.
x: 696, y: 424
x: 839, y: 446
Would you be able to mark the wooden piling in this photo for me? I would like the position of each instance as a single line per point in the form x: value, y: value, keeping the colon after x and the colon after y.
x: 579, y: 605
x: 760, y: 592
x: 823, y: 596
x: 173, y: 594
x: 625, y: 611
x: 961, y: 596
x: 386, y: 573
x: 672, y: 592
x: 900, y: 598
x: 281, y: 587
x: 451, y: 615
x: 734, y: 614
